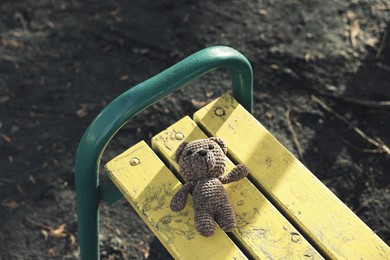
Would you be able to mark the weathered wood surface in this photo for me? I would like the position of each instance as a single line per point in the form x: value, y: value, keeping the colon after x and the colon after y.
x: 296, y: 192
x: 149, y: 186
x: 292, y: 194
x: 261, y: 230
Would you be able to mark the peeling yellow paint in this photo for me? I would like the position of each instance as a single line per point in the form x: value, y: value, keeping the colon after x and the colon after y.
x: 149, y: 186
x: 261, y: 229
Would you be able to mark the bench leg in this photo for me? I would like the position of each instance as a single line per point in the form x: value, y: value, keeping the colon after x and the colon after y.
x: 88, y: 221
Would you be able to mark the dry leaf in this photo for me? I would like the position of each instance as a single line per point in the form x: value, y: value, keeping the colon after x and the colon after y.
x: 16, y: 34
x: 59, y: 232
x: 269, y: 115
x: 44, y: 165
x: 52, y: 252
x: 118, y: 232
x: 146, y: 252
x: 350, y: 15
x: 6, y: 138
x: 197, y: 104
x: 124, y: 77
x: 50, y: 24
x: 55, y: 162
x: 185, y: 19
x: 115, y: 12
x: 263, y: 12
x: 32, y: 179
x: 10, y: 204
x: 209, y: 93
x: 354, y: 31
x: 82, y: 112
x: 383, y: 8
x: 72, y: 240
x: 12, y: 43
x: 372, y: 42
x: 45, y: 234
x: 308, y: 57
x: 20, y: 189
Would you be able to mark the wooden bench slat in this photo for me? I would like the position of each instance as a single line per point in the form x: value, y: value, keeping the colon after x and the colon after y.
x: 261, y: 229
x: 334, y: 228
x: 149, y: 187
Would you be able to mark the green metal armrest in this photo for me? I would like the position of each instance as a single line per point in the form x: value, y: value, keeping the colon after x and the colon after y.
x: 127, y: 105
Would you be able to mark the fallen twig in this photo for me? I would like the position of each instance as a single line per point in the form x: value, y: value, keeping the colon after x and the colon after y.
x: 363, y: 150
x: 364, y: 204
x: 294, y: 135
x: 383, y: 8
x: 354, y: 30
x: 381, y: 146
x: 362, y: 102
x: 383, y: 66
x: 36, y: 223
x: 382, y: 46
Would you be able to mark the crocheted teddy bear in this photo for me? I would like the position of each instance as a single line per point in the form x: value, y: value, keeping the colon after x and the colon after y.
x: 202, y: 163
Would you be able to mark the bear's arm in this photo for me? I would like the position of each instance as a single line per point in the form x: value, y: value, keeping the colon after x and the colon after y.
x: 180, y: 199
x: 238, y: 172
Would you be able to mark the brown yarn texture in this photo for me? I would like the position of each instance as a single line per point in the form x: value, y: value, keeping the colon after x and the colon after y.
x: 202, y: 163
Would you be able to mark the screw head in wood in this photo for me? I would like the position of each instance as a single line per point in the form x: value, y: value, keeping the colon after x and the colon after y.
x: 219, y: 111
x: 134, y: 161
x: 179, y: 136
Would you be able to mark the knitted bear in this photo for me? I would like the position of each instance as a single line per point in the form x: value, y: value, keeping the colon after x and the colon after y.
x: 202, y: 163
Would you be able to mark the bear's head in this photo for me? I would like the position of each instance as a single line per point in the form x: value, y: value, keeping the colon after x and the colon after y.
x: 202, y: 158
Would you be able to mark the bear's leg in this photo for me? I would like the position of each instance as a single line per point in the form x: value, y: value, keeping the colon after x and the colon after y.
x: 204, y: 223
x: 225, y: 218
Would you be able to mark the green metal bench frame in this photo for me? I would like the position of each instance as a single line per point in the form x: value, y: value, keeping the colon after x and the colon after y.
x: 123, y: 108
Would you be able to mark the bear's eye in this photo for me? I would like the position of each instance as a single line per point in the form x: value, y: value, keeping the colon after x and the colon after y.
x: 211, y: 146
x: 189, y: 152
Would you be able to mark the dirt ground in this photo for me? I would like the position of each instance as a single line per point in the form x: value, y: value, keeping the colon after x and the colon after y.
x: 321, y: 81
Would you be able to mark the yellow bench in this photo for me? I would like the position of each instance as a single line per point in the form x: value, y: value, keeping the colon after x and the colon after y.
x: 283, y: 211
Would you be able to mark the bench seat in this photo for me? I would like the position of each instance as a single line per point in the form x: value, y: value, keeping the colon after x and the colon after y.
x: 283, y: 211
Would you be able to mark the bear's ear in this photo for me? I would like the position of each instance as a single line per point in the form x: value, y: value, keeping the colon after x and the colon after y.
x: 180, y: 150
x: 220, y: 142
